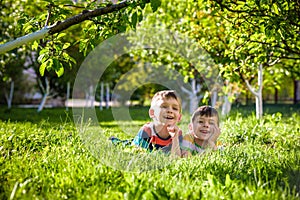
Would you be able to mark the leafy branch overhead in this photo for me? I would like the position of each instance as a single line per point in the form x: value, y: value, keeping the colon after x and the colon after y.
x: 52, y: 55
x: 279, y: 21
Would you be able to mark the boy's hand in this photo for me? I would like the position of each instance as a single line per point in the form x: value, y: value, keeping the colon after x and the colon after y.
x: 215, y: 133
x: 214, y: 136
x: 173, y: 130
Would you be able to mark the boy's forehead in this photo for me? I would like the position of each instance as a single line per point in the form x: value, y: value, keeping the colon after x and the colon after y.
x: 206, y: 117
x: 161, y: 100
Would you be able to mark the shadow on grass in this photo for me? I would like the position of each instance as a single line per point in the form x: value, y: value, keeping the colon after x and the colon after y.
x: 51, y: 115
x: 287, y: 110
x: 61, y: 115
x: 294, y: 180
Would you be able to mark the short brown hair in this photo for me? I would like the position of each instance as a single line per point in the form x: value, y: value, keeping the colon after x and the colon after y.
x: 206, y: 111
x: 166, y: 94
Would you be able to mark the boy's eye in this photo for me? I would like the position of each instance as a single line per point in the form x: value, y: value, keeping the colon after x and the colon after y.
x: 175, y: 108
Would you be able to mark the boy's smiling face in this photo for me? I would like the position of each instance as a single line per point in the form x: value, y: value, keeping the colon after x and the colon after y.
x: 204, y: 127
x: 165, y: 111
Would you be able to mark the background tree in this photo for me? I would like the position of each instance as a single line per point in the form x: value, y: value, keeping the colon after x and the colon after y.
x: 244, y: 38
x: 45, y: 21
x: 240, y: 36
x: 12, y: 63
x: 260, y: 35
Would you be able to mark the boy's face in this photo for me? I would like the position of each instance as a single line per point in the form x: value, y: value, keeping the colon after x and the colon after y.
x: 204, y: 127
x: 165, y: 111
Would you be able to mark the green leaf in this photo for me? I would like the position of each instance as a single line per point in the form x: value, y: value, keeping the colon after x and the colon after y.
x: 35, y: 46
x: 60, y: 70
x: 49, y: 65
x: 142, y: 5
x: 60, y: 35
x: 27, y: 28
x: 155, y: 4
x: 44, y: 55
x: 275, y: 8
x: 134, y: 20
x: 83, y: 45
x: 72, y: 60
x: 227, y: 180
x: 121, y: 28
x: 55, y: 63
x: 66, y: 45
x: 42, y: 68
x: 279, y: 31
x: 140, y: 17
x: 66, y: 56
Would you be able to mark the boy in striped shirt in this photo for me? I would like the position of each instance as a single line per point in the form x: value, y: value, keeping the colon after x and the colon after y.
x: 204, y: 131
x: 162, y: 132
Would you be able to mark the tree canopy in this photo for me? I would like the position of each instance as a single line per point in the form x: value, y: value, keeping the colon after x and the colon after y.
x: 44, y: 22
x: 239, y: 36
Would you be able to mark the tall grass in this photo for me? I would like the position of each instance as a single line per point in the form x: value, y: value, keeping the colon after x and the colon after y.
x: 44, y: 157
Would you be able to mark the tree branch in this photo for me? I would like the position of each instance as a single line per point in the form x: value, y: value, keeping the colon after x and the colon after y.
x: 86, y: 15
x: 49, y: 14
x: 60, y: 26
x: 251, y: 88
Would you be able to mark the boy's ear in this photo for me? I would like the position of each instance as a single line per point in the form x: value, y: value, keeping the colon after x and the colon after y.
x: 151, y: 113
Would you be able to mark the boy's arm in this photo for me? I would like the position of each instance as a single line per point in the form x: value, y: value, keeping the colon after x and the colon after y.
x: 213, y: 139
x: 142, y: 139
x: 185, y: 153
x: 174, y: 133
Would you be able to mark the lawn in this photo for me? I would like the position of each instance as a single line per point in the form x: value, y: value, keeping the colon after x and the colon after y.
x: 44, y: 156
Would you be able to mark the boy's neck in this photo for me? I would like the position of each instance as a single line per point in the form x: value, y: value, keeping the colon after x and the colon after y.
x: 199, y: 142
x: 161, y: 131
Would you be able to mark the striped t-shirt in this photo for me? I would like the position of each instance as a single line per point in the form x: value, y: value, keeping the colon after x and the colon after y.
x: 147, y: 138
x: 188, y: 144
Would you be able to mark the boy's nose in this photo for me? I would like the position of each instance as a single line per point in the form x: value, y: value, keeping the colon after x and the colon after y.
x: 206, y: 124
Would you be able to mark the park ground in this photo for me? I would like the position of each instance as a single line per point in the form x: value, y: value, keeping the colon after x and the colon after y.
x: 43, y: 156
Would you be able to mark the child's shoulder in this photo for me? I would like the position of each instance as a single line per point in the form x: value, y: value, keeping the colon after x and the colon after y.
x: 147, y: 125
x: 148, y: 128
x: 188, y: 137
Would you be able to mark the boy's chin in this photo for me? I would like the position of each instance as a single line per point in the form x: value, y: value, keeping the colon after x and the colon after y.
x: 168, y: 123
x: 203, y: 138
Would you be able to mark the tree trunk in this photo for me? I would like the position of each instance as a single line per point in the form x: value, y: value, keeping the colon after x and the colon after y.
x: 107, y: 96
x: 259, y: 106
x: 91, y: 96
x: 68, y: 95
x: 259, y: 99
x: 230, y: 92
x: 226, y: 107
x: 101, y: 96
x: 258, y: 93
x: 276, y: 96
x: 9, y: 97
x: 45, y: 96
x: 214, y: 98
x: 296, y: 91
x: 194, y: 99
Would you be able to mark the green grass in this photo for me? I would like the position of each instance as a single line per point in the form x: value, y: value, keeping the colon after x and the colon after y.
x: 44, y: 157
